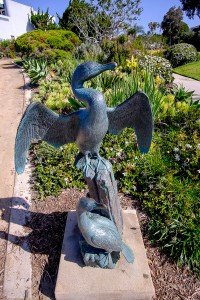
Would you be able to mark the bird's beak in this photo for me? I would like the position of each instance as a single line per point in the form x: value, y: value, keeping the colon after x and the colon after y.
x: 101, y: 206
x: 109, y: 66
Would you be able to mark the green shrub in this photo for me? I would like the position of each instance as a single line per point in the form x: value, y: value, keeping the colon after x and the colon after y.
x: 88, y: 51
x: 7, y: 48
x: 122, y: 39
x: 115, y: 51
x: 157, y: 65
x: 56, y: 42
x: 36, y: 69
x: 55, y: 54
x: 181, y: 54
x: 40, y: 43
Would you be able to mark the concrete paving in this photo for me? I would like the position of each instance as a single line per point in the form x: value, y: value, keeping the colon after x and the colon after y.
x: 15, y: 264
x: 189, y: 84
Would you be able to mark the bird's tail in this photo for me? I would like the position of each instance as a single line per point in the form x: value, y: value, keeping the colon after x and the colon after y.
x: 128, y: 253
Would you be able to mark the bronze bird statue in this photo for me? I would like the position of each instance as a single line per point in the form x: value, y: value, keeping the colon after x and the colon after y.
x: 87, y: 127
x: 98, y: 231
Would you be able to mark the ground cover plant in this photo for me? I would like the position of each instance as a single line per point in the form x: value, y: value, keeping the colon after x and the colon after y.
x: 191, y: 70
x: 165, y: 181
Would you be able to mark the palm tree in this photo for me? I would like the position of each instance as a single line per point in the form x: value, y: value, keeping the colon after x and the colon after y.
x: 135, y: 30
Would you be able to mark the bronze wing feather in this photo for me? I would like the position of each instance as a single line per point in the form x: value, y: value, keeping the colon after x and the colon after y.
x: 136, y: 113
x: 41, y: 123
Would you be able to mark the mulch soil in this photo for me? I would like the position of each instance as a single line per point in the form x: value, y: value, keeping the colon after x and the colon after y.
x: 47, y: 223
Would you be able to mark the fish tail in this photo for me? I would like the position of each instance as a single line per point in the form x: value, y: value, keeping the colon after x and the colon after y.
x: 128, y: 253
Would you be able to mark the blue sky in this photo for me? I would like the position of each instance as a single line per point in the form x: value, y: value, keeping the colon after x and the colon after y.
x: 153, y: 10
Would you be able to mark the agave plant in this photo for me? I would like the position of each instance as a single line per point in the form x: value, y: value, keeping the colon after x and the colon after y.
x: 36, y: 69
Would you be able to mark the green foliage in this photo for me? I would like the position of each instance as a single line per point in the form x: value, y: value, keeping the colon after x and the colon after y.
x: 181, y: 54
x: 192, y: 7
x: 154, y: 42
x: 36, y: 69
x: 172, y: 24
x: 54, y: 169
x: 104, y: 19
x: 42, y: 20
x: 182, y: 95
x: 47, y: 44
x: 7, y: 48
x: 157, y: 65
x: 64, y: 69
x: 122, y: 39
x: 76, y: 10
x: 115, y: 51
x: 153, y: 26
x: 54, y: 95
x: 89, y: 51
x: 55, y: 54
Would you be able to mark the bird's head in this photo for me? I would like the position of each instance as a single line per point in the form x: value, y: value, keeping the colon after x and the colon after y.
x: 88, y: 204
x: 89, y: 70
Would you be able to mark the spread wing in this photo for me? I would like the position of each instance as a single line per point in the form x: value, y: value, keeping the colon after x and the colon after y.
x: 136, y: 113
x: 39, y: 122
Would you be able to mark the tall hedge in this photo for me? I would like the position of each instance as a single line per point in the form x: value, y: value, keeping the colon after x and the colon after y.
x: 50, y: 44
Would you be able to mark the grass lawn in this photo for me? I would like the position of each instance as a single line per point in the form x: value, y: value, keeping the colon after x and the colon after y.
x: 191, y: 70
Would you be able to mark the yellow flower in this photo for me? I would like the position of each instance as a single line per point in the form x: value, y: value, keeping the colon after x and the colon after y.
x: 156, y: 51
x: 132, y: 63
x: 52, y: 73
x: 158, y: 80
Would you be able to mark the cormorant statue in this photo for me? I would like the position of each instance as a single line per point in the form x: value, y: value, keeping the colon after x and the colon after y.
x: 87, y: 127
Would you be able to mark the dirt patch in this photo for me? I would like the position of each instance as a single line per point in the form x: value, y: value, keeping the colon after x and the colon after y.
x: 48, y: 225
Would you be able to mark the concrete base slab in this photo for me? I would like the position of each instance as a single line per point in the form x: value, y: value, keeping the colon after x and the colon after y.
x: 128, y: 281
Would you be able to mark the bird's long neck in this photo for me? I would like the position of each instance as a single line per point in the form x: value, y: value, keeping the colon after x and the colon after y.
x: 93, y: 98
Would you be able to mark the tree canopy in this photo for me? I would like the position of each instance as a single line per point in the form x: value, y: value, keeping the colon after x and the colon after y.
x: 153, y: 26
x: 42, y: 20
x: 172, y: 24
x: 192, y: 7
x: 104, y: 19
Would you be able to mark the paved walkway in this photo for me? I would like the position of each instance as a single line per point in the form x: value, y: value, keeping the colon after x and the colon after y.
x: 189, y: 83
x: 11, y: 107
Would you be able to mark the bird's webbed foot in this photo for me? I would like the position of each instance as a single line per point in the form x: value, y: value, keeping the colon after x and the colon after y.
x: 103, y: 163
x: 91, y: 164
x: 95, y: 257
x: 85, y: 163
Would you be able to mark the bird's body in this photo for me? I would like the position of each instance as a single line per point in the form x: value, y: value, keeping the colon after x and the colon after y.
x: 93, y: 116
x: 98, y: 231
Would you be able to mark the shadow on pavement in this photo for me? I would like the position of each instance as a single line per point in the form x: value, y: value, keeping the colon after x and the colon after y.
x: 45, y: 237
x: 10, y: 66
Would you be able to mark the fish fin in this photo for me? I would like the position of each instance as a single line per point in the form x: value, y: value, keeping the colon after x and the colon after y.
x: 128, y: 253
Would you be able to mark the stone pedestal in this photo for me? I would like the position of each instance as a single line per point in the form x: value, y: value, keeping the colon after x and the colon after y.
x: 75, y: 281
